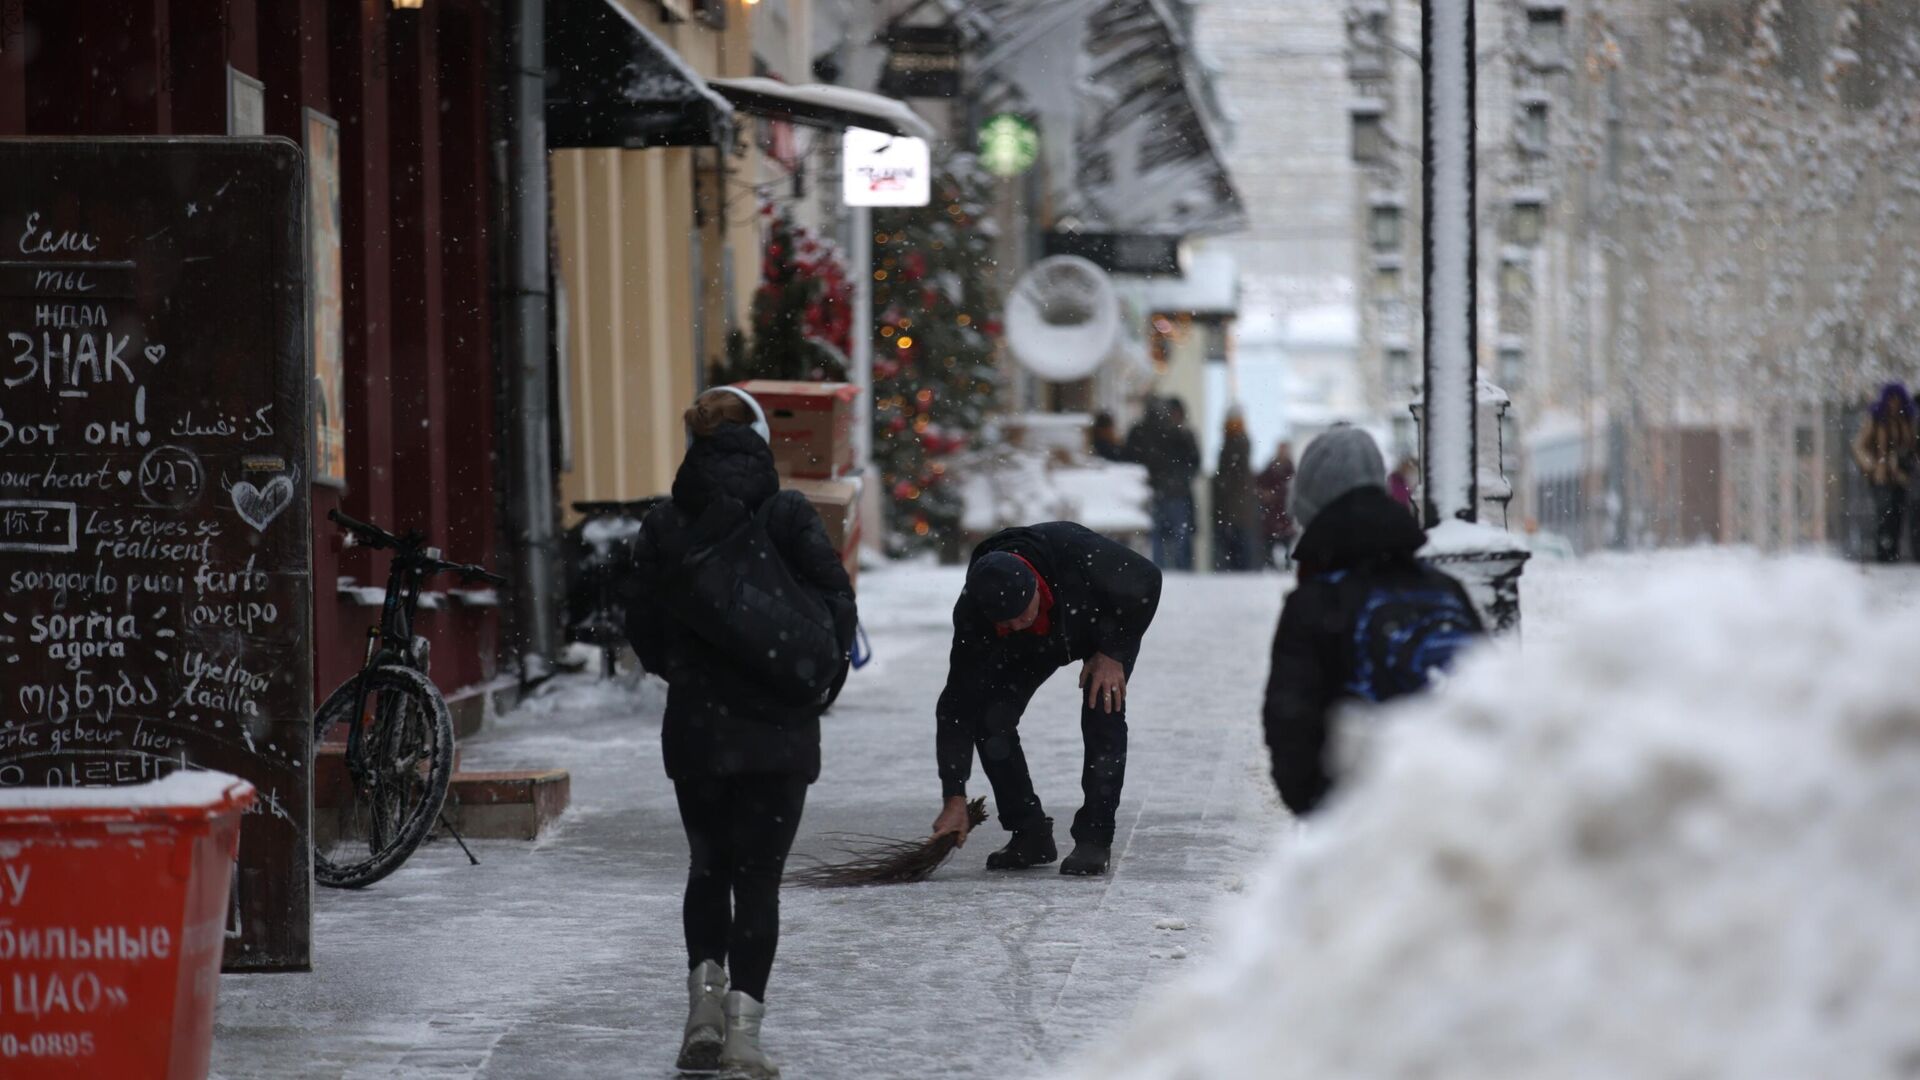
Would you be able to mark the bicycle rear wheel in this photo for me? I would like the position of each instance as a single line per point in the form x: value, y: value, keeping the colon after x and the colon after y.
x: 391, y: 796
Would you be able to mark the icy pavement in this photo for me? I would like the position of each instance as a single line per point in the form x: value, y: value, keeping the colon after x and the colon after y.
x: 564, y: 958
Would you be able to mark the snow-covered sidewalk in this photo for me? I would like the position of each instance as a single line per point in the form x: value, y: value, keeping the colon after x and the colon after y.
x: 564, y: 958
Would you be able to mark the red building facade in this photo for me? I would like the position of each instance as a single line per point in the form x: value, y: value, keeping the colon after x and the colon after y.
x: 409, y: 93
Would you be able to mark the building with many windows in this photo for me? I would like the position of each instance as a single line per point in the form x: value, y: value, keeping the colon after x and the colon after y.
x: 1688, y: 276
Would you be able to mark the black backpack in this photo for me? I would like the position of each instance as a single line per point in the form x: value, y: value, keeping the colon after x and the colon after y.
x: 1404, y: 633
x: 736, y: 592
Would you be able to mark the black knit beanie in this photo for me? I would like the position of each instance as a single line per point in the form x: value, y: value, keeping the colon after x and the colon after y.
x: 1001, y: 585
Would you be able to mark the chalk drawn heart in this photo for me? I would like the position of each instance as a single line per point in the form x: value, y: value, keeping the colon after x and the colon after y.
x: 156, y: 353
x: 259, y: 506
x: 143, y: 437
x: 126, y: 476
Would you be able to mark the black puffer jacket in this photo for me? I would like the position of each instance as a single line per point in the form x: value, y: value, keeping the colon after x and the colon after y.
x: 1361, y: 543
x: 1104, y: 598
x: 719, y: 722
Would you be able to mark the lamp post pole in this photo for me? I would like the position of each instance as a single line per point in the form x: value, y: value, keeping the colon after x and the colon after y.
x: 1449, y: 437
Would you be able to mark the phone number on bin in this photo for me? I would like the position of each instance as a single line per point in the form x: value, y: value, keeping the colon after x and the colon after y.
x: 47, y: 1046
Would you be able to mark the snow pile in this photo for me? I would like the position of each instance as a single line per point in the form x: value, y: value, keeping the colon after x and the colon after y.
x: 1674, y: 841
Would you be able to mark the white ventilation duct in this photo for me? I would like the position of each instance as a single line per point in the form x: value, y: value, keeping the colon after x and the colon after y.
x: 1063, y: 319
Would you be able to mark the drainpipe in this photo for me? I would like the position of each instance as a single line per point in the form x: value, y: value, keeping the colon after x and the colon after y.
x: 524, y: 358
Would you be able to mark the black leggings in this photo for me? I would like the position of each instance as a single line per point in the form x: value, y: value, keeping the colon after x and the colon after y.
x: 740, y: 829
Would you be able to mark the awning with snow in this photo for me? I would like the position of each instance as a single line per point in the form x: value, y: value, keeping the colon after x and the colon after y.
x: 818, y: 105
x: 612, y: 83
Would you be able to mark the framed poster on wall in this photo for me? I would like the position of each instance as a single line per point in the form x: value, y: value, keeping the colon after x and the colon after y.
x: 246, y: 104
x: 325, y: 314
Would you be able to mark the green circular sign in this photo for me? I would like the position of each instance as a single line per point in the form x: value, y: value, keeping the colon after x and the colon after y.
x: 1009, y: 144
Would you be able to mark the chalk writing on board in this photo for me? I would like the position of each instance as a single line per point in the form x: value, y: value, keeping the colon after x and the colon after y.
x: 154, y: 526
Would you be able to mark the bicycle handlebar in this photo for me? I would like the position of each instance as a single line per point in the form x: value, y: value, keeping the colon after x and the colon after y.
x: 376, y: 537
x: 372, y: 535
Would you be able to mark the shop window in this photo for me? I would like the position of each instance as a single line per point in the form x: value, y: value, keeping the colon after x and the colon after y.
x: 1527, y: 222
x: 1547, y: 33
x: 1516, y: 283
x: 1385, y: 228
x: 1386, y: 277
x: 1534, y: 130
x: 1369, y: 134
x: 1400, y: 377
x: 1512, y: 368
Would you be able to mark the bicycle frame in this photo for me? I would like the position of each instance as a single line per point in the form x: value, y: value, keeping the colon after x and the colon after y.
x: 392, y: 641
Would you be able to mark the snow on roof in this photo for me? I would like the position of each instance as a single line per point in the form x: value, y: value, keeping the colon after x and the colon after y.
x: 672, y: 57
x: 1139, y: 146
x: 874, y: 111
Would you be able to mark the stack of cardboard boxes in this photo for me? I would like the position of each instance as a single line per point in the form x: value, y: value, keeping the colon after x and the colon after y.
x: 812, y: 428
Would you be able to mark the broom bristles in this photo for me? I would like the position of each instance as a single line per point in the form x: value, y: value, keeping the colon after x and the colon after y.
x: 880, y: 860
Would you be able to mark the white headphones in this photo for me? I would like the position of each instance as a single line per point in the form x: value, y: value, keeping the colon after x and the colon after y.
x: 759, y: 424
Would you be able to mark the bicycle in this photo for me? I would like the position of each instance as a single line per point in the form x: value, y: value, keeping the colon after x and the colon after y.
x: 396, y: 727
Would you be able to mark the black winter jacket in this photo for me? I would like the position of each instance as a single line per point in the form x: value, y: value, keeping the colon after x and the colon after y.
x: 1104, y: 597
x: 1359, y: 543
x: 719, y: 722
x: 1170, y: 453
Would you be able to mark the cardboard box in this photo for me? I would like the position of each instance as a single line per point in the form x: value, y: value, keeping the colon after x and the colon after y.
x: 811, y: 424
x: 838, y: 503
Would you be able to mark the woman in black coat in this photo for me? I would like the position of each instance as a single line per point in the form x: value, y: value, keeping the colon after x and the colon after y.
x: 740, y: 756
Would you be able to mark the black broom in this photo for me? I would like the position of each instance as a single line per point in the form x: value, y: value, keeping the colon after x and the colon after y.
x: 877, y: 860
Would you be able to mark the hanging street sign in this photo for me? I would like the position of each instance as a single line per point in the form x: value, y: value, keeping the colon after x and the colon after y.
x: 1009, y: 144
x: 922, y: 61
x: 879, y: 169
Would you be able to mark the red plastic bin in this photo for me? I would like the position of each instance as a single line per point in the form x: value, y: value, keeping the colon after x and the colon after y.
x: 113, y: 917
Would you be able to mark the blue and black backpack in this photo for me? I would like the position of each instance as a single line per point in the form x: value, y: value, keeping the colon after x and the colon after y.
x: 1404, y: 633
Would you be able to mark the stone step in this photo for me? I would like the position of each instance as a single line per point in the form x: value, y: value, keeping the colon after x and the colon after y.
x: 510, y: 804
x: 330, y: 773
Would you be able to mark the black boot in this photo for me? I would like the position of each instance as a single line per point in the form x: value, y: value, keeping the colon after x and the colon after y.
x: 1029, y: 847
x: 1088, y: 859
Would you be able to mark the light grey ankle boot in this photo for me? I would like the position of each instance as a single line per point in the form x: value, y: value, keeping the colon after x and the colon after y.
x: 706, y: 1018
x: 741, y: 1058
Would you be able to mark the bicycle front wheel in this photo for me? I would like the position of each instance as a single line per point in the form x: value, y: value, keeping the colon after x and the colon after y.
x: 396, y: 778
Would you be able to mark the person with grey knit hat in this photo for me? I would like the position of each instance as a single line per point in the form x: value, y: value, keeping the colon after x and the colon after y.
x: 1369, y: 622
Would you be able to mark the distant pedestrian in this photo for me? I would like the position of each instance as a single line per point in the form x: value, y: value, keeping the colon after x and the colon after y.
x: 1400, y: 484
x: 740, y: 752
x: 1236, y: 507
x: 1105, y: 438
x: 1368, y: 622
x: 1162, y: 442
x: 1037, y: 599
x: 1276, y: 523
x: 1884, y: 451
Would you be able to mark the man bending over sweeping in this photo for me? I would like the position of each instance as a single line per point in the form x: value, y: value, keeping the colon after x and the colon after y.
x: 1037, y: 599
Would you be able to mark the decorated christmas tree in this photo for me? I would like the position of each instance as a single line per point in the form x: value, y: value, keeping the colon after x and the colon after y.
x: 934, y: 379
x: 802, y: 311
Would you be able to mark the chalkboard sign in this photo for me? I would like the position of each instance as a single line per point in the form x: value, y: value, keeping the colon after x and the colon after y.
x: 155, y: 552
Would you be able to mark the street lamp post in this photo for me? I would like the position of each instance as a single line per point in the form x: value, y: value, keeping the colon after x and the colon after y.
x: 1486, y: 559
x: 1450, y: 480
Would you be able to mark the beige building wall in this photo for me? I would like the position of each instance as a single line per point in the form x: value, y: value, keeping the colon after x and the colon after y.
x: 659, y: 256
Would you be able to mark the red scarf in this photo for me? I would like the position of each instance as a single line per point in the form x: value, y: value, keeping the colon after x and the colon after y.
x: 1041, y: 622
